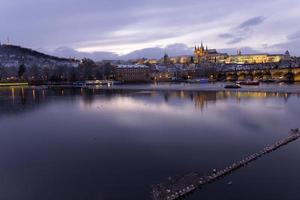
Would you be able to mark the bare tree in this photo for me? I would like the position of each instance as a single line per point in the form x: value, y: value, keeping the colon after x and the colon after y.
x: 21, y: 70
x: 34, y: 72
x: 3, y: 72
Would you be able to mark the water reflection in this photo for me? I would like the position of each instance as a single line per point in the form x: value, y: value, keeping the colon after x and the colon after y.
x: 30, y: 98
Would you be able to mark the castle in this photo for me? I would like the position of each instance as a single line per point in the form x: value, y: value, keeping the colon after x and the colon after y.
x: 202, y: 54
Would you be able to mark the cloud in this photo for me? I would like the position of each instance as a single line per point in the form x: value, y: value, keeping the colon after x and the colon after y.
x: 244, y: 50
x: 226, y: 35
x: 251, y: 22
x: 293, y: 46
x: 235, y: 40
x: 293, y: 36
x: 242, y: 31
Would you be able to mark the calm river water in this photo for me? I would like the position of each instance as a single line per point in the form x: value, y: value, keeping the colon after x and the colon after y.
x: 88, y: 144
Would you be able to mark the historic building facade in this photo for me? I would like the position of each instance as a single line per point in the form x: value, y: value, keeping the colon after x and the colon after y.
x: 133, y: 73
x: 202, y: 54
x: 253, y: 59
x: 205, y: 55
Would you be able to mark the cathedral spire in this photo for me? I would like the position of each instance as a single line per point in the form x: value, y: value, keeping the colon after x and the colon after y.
x: 202, y: 47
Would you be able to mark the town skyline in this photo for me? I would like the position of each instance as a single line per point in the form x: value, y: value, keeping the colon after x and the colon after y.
x: 155, y: 53
x: 100, y: 26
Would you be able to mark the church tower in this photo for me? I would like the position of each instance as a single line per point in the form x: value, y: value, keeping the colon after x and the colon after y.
x: 200, y: 53
x: 239, y: 52
x: 166, y: 58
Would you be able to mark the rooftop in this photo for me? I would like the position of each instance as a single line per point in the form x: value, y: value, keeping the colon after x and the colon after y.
x: 132, y: 66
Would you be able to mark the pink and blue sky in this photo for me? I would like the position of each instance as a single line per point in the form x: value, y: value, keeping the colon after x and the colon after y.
x: 110, y: 28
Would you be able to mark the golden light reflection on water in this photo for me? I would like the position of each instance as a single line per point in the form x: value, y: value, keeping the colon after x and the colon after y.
x: 200, y: 100
x: 33, y: 95
x: 13, y: 94
x: 22, y: 93
x: 163, y: 104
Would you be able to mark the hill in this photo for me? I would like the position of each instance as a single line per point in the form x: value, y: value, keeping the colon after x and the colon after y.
x: 13, y: 56
x: 21, y: 51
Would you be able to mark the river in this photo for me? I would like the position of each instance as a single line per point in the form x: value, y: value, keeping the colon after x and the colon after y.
x: 103, y: 144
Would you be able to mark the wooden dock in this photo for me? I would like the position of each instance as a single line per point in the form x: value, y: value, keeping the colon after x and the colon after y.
x: 179, y: 187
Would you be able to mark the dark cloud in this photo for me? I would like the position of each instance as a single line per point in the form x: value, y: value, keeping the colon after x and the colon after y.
x: 242, y: 31
x: 293, y: 46
x: 226, y: 35
x: 251, y: 22
x: 235, y: 40
x: 293, y: 36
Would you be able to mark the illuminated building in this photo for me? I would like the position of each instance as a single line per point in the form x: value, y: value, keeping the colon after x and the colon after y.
x: 252, y: 58
x: 205, y: 55
x: 202, y: 54
x: 150, y: 61
x: 166, y: 59
x: 164, y: 73
x: 181, y: 59
x: 133, y: 73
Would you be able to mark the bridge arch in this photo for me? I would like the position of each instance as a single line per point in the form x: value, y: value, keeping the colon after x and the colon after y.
x: 258, y: 75
x: 277, y: 74
x: 297, y: 76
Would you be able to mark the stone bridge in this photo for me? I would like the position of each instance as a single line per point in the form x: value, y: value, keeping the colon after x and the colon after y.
x: 288, y: 74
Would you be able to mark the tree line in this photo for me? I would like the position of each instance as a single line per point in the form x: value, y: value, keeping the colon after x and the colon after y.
x: 87, y: 70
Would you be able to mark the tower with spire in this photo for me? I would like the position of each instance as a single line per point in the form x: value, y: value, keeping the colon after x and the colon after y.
x: 200, y: 53
x: 166, y: 58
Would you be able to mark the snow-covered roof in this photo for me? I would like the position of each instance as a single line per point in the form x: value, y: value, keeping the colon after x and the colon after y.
x: 131, y: 66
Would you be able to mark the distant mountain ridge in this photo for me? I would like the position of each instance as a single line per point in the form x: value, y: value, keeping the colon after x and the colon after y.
x: 150, y: 53
x: 177, y: 49
x: 69, y: 54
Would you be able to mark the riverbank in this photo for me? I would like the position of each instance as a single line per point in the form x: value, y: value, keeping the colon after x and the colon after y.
x: 8, y: 84
x: 280, y: 88
x: 218, y: 86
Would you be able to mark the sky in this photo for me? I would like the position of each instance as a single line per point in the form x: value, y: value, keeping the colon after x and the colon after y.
x: 120, y: 27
